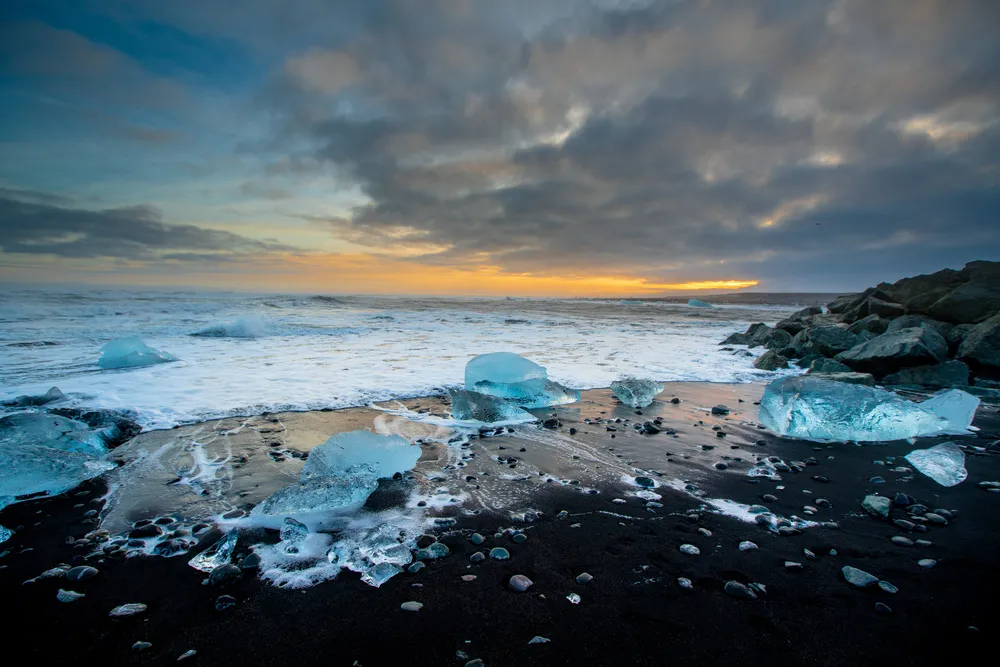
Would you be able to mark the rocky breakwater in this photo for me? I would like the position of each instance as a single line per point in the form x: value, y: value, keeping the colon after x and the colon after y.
x: 937, y: 330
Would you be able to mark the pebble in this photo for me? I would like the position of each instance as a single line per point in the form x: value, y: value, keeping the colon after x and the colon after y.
x: 808, y: 554
x: 425, y: 541
x: 411, y: 606
x: 924, y: 543
x: 477, y: 538
x: 902, y: 541
x: 141, y: 646
x: 224, y: 602
x: 747, y: 546
x: 81, y: 573
x: 499, y: 553
x: 574, y: 598
x: 685, y: 583
x: 68, y: 596
x: 704, y: 532
x: 130, y: 609
x: 475, y: 663
x: 720, y: 410
x: 468, y: 577
x: 519, y: 538
x: 477, y: 557
x: 927, y: 562
x: 882, y: 608
x: 887, y: 587
x: 538, y: 639
x: 792, y: 565
x: 904, y: 524
x: 416, y: 567
x: 190, y: 653
x: 858, y: 578
x: 519, y: 583
x: 225, y: 575
x: 721, y: 466
x: 584, y: 578
x: 738, y: 590
x: 690, y: 550
x: 936, y: 518
x: 877, y: 506
x: 768, y: 498
x: 251, y: 562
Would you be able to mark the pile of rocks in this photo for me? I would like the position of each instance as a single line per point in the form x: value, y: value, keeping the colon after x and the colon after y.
x: 937, y: 330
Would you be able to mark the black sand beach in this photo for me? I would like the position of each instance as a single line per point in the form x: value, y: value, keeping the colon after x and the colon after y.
x: 633, y: 612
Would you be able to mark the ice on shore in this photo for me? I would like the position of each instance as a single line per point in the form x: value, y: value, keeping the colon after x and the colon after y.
x: 51, y: 396
x: 944, y: 463
x: 475, y: 406
x: 50, y: 431
x: 5, y: 533
x: 512, y: 377
x: 220, y: 553
x: 243, y: 327
x: 36, y: 469
x: 131, y: 353
x: 387, y: 454
x: 828, y: 411
x: 635, y: 391
x: 698, y: 303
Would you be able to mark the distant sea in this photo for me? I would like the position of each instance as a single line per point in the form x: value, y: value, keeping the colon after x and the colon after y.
x: 298, y: 352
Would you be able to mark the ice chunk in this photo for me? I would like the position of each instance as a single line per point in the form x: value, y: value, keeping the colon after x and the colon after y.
x: 344, y: 492
x: 957, y: 407
x: 388, y: 454
x: 5, y: 533
x: 243, y: 327
x: 698, y: 303
x: 52, y: 431
x: 510, y: 376
x: 51, y: 396
x: 130, y: 353
x: 474, y: 406
x: 944, y: 463
x: 827, y: 411
x: 379, y: 574
x: 293, y: 535
x: 635, y: 391
x: 34, y: 469
x: 220, y: 553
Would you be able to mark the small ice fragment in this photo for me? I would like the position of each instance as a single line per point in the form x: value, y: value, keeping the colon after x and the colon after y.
x: 698, y: 303
x: 828, y: 411
x: 636, y: 392
x: 131, y: 353
x: 944, y: 463
x: 379, y: 574
x: 293, y: 535
x: 5, y: 534
x: 68, y: 596
x: 574, y: 598
x: 519, y: 380
x: 538, y: 639
x: 220, y: 553
x: 475, y: 406
x: 130, y: 609
x: 317, y: 495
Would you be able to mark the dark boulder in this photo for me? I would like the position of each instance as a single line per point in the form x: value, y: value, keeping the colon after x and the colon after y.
x: 807, y: 360
x: 770, y: 361
x: 736, y: 339
x: 910, y: 321
x: 758, y: 334
x: 948, y: 374
x: 825, y: 365
x: 798, y: 320
x: 873, y: 323
x: 960, y: 297
x: 778, y: 339
x: 851, y: 378
x: 828, y: 340
x: 981, y: 346
x: 893, y: 350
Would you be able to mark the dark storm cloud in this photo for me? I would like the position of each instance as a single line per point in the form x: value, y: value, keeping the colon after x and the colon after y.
x: 31, y: 223
x: 660, y: 138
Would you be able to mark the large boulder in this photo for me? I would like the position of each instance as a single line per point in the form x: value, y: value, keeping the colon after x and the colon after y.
x: 893, y: 350
x: 910, y: 321
x: 873, y: 323
x: 960, y: 297
x: 827, y: 340
x: 736, y: 339
x: 778, y: 339
x: 981, y: 346
x: 948, y: 374
x: 798, y: 320
x: 770, y: 361
x: 825, y: 365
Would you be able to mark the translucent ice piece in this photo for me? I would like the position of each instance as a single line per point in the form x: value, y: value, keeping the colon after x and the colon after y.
x: 827, y: 411
x: 130, y: 353
x: 957, y: 407
x: 635, y: 391
x: 293, y: 535
x: 387, y: 454
x: 379, y: 574
x: 944, y: 463
x: 344, y: 492
x: 34, y: 469
x: 53, y: 431
x: 5, y: 534
x: 474, y: 406
x: 698, y: 303
x: 510, y: 376
x: 218, y: 554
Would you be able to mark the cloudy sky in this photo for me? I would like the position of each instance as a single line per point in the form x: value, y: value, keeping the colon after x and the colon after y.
x: 497, y: 146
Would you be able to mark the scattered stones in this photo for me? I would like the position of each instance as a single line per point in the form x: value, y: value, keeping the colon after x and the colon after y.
x: 584, y: 578
x: 690, y: 550
x: 858, y: 578
x: 130, y: 609
x: 68, y: 596
x: 499, y: 553
x: 519, y: 583
x: 411, y: 606
x: 738, y: 590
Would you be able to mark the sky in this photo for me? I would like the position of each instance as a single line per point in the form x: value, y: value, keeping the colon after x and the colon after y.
x: 521, y: 147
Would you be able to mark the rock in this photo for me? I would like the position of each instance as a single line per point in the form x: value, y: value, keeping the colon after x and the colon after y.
x: 798, y: 320
x: 477, y: 557
x: 645, y: 482
x: 746, y: 545
x: 224, y: 602
x: 143, y: 532
x: 903, y: 524
x: 419, y: 565
x: 469, y: 577
x: 584, y: 578
x: 685, y: 583
x: 866, y: 379
x: 736, y: 339
x: 250, y: 563
x: 981, y: 346
x: 519, y: 583
x: 225, y: 575
x: 81, y: 573
x: 829, y: 340
x: 738, y: 590
x: 770, y: 361
x: 936, y: 519
x: 899, y: 540
x: 720, y: 410
x: 887, y: 587
x: 411, y: 606
x: 877, y: 506
x: 519, y: 538
x: 792, y: 565
x: 130, y: 609
x: 141, y: 646
x: 858, y: 578
x: 475, y: 663
x: 690, y: 549
x: 190, y: 653
x: 425, y: 541
x: 68, y: 596
x: 824, y: 365
x: 948, y: 374
x: 927, y: 563
x: 888, y: 353
x: 778, y: 339
x: 882, y: 608
x: 871, y: 323
x: 757, y: 334
x: 477, y: 539
x: 499, y: 553
x: 551, y: 422
x: 538, y: 639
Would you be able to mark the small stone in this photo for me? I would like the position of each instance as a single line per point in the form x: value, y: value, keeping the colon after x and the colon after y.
x: 858, y: 578
x: 224, y: 602
x: 887, y: 587
x: 251, y: 562
x: 68, y: 596
x: 904, y: 524
x: 419, y: 565
x: 574, y: 598
x: 538, y: 639
x: 425, y: 541
x: 924, y: 543
x: 519, y: 538
x: 519, y: 583
x: 721, y: 410
x: 475, y: 663
x: 130, y: 609
x: 808, y: 554
x: 225, y: 575
x: 411, y: 606
x: 81, y: 573
x: 685, y: 583
x: 141, y: 646
x: 645, y: 482
x: 927, y: 562
x: 721, y: 465
x: 477, y: 538
x: 690, y: 550
x: 747, y: 546
x: 738, y: 590
x: 899, y: 540
x: 768, y: 498
x: 882, y: 608
x: 477, y: 557
x: 584, y: 578
x: 877, y: 506
x: 792, y: 565
x: 190, y: 653
x: 468, y: 577
x: 499, y: 553
x: 930, y: 516
x: 704, y: 532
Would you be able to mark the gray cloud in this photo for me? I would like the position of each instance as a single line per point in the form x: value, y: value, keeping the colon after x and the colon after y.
x: 664, y: 137
x: 37, y: 224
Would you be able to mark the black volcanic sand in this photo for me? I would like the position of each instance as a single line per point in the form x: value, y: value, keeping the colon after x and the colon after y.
x: 632, y: 613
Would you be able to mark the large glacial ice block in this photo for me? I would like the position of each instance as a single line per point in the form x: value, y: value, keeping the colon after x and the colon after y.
x: 33, y: 469
x: 50, y: 431
x: 698, y: 303
x: 475, y: 406
x: 826, y: 411
x: 944, y: 463
x: 510, y: 376
x: 130, y: 353
x: 388, y: 454
x: 635, y: 391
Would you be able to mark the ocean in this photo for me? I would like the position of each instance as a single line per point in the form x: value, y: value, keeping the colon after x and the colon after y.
x: 269, y: 353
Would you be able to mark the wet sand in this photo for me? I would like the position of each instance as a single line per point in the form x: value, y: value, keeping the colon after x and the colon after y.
x: 632, y: 613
